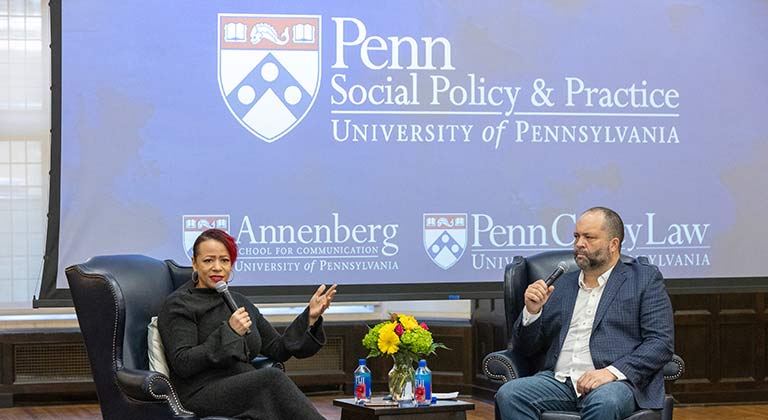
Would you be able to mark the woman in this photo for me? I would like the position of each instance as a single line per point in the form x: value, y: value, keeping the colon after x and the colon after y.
x: 209, y: 348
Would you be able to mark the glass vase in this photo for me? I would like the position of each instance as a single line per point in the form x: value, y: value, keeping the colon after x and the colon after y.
x: 401, y: 379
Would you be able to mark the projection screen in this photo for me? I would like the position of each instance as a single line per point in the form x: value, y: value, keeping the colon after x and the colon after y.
x: 413, y: 148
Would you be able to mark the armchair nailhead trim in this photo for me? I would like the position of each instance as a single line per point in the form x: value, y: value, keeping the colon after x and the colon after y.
x: 497, y: 377
x: 172, y: 398
x: 114, y: 328
x: 680, y: 370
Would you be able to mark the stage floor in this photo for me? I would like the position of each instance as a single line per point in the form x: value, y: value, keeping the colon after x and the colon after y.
x: 324, y: 403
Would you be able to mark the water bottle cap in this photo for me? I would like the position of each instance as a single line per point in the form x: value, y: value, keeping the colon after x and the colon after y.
x: 361, y: 361
x: 422, y: 363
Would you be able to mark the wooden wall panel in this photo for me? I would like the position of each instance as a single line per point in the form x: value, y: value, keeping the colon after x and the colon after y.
x: 722, y: 339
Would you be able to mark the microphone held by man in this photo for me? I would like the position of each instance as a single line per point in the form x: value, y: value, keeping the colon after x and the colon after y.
x: 537, y: 294
x: 561, y: 268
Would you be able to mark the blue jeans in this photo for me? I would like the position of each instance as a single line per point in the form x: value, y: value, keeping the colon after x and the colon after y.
x: 527, y: 398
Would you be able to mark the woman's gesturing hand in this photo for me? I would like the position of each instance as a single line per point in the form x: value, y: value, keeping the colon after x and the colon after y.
x: 320, y: 302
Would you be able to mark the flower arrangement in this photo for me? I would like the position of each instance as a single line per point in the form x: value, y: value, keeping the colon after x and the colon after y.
x: 407, y: 341
x: 402, y: 337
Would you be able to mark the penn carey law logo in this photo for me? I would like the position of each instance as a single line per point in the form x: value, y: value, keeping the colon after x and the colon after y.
x: 194, y: 225
x: 445, y: 237
x: 269, y: 70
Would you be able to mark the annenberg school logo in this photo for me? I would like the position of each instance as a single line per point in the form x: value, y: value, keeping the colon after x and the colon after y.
x: 194, y: 225
x: 445, y: 237
x: 269, y: 70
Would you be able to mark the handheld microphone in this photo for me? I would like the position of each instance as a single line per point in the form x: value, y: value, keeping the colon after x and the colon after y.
x: 223, y: 290
x: 559, y: 270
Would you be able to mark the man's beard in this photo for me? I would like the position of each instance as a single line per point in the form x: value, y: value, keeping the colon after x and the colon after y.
x: 593, y: 260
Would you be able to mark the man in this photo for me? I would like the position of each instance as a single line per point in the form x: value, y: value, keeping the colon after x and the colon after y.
x: 607, y: 331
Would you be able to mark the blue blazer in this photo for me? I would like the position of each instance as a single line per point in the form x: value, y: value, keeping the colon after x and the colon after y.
x: 633, y: 328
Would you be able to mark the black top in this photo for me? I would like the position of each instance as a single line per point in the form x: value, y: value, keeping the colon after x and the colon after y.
x: 201, y: 347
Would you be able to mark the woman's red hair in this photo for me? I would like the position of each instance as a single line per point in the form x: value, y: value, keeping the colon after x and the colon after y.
x: 217, y: 235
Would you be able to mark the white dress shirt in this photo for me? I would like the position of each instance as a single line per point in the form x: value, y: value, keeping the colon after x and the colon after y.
x: 575, y: 357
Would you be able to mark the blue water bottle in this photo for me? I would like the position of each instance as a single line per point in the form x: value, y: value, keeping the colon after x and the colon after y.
x: 423, y: 384
x: 362, y: 383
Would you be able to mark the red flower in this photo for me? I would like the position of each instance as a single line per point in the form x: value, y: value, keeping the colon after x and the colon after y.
x: 424, y: 326
x: 420, y: 393
x: 399, y: 330
x: 360, y: 391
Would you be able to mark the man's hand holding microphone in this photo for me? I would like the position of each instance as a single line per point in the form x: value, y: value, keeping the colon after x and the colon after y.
x: 538, y: 292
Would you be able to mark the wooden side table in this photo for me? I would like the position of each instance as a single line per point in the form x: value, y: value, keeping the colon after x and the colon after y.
x: 441, y: 410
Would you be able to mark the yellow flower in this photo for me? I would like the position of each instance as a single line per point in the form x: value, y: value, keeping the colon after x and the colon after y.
x: 409, y: 322
x: 388, y: 339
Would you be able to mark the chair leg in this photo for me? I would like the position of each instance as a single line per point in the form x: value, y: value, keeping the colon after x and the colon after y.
x: 669, y: 406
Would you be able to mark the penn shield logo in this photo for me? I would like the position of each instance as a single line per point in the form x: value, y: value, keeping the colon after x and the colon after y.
x: 445, y: 237
x: 194, y: 225
x: 269, y: 70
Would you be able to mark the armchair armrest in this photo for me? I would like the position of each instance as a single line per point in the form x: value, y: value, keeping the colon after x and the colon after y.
x: 500, y: 366
x: 145, y: 385
x: 674, y: 369
x: 504, y: 366
x: 149, y: 386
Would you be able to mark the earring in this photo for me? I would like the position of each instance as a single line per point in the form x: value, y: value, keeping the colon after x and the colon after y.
x: 194, y: 277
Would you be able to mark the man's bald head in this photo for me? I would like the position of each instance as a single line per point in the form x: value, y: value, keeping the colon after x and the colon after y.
x: 611, y: 222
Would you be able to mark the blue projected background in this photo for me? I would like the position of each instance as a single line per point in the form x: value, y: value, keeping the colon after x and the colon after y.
x: 425, y: 142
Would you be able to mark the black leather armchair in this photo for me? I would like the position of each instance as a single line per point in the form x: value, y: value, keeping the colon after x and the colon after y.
x: 115, y: 297
x: 506, y: 365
